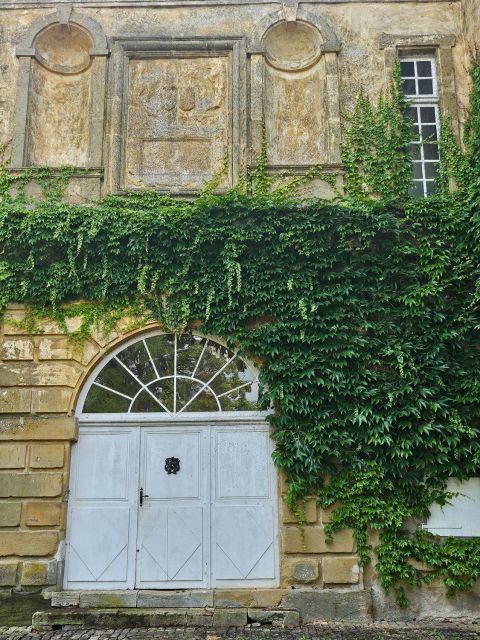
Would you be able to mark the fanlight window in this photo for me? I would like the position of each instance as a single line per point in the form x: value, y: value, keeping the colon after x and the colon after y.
x: 173, y: 375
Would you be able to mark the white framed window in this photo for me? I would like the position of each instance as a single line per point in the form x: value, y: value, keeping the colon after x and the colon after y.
x: 170, y: 375
x: 461, y: 516
x: 420, y: 86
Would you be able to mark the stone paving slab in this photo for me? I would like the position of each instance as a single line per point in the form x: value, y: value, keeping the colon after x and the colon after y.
x: 322, y: 631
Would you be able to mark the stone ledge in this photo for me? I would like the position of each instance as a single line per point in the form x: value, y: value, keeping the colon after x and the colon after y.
x: 38, y: 428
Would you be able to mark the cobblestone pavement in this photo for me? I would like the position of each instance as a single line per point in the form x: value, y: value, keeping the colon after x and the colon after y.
x: 317, y: 631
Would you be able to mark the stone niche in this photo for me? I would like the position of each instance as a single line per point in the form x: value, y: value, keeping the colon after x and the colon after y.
x: 60, y: 93
x: 181, y: 115
x: 294, y: 67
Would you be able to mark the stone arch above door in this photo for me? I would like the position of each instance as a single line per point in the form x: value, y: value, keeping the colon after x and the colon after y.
x: 170, y: 375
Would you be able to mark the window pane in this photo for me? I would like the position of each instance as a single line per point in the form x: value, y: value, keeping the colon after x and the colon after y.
x: 424, y: 69
x: 430, y: 151
x: 244, y: 399
x: 407, y: 68
x: 415, y: 132
x: 415, y: 152
x: 409, y: 87
x: 205, y: 401
x: 429, y: 131
x: 431, y: 170
x: 137, y: 360
x: 431, y: 187
x: 417, y: 170
x: 425, y: 87
x: 102, y: 401
x: 114, y: 376
x: 428, y: 114
x: 146, y: 404
x: 416, y: 190
x: 412, y: 112
x: 189, y: 350
x: 162, y: 351
x: 186, y: 390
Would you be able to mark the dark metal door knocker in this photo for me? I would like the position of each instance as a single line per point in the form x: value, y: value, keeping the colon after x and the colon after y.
x: 172, y: 465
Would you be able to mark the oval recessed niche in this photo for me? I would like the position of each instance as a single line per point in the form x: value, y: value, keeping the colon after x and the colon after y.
x: 292, y: 46
x: 63, y: 48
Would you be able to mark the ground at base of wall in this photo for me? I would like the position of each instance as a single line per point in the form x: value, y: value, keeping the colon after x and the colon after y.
x: 321, y: 631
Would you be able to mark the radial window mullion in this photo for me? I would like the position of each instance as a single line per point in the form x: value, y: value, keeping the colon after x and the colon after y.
x: 118, y: 393
x: 199, y: 358
x: 151, y: 359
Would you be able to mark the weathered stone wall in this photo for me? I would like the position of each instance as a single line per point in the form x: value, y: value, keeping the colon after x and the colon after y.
x: 471, y: 27
x: 160, y: 124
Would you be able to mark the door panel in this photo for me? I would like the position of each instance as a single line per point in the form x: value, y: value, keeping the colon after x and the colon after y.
x: 212, y: 523
x: 102, y: 509
x: 244, y: 508
x: 173, y: 525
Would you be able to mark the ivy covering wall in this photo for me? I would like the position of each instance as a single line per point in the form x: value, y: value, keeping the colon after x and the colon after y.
x: 364, y: 312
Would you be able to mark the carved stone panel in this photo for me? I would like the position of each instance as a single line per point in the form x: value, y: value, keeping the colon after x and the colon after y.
x: 178, y: 123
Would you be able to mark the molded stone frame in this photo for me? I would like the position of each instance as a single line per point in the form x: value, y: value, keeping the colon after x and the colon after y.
x: 26, y: 53
x: 329, y: 49
x: 126, y: 48
x: 441, y: 47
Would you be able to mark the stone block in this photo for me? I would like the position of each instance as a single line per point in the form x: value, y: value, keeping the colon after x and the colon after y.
x: 230, y: 617
x: 54, y: 348
x: 313, y: 541
x: 308, y: 512
x: 165, y: 599
x: 8, y: 574
x: 10, y: 514
x: 28, y: 543
x: 65, y: 599
x: 45, y: 620
x: 40, y: 374
x: 248, y: 597
x: 30, y: 485
x: 38, y: 573
x: 17, y: 349
x: 330, y: 605
x: 326, y: 514
x: 36, y: 428
x: 43, y: 456
x: 107, y: 599
x: 42, y: 514
x: 340, y: 570
x: 62, y: 348
x: 276, y: 618
x: 12, y: 455
x: 198, y: 617
x: 51, y: 400
x: 299, y: 570
x: 15, y: 400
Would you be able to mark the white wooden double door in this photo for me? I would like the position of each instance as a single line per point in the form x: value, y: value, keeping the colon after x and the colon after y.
x: 212, y: 523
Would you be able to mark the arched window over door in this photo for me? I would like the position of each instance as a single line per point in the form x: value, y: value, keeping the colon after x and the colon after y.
x: 171, y: 375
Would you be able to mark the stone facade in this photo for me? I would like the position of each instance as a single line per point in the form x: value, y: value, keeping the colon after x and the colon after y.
x: 163, y: 95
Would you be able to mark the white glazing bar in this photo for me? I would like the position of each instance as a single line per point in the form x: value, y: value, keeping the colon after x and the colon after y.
x: 199, y: 358
x: 151, y: 359
x: 97, y: 384
x: 245, y: 384
x: 208, y: 383
x: 142, y: 385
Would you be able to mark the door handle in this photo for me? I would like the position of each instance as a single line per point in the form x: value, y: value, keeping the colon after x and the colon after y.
x: 142, y: 496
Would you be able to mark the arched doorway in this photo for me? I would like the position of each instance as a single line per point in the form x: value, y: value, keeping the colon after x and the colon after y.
x: 172, y: 483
